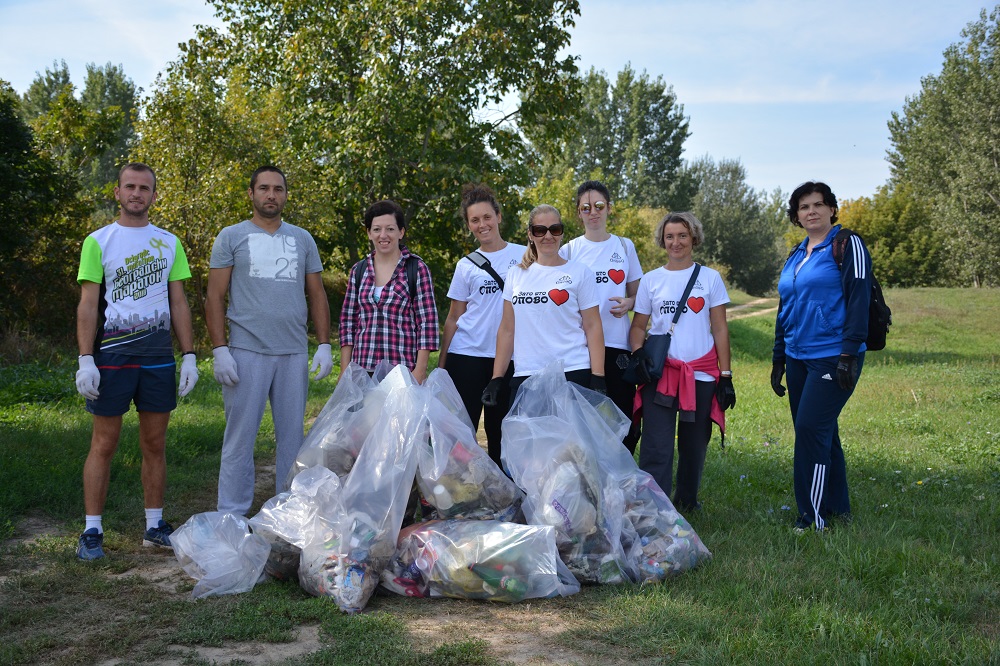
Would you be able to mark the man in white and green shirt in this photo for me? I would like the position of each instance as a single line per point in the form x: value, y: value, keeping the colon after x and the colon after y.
x: 131, y: 297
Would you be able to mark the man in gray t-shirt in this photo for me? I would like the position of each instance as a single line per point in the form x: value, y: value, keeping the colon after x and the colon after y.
x: 268, y: 268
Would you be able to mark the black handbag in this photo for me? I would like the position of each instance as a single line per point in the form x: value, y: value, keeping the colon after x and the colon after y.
x: 657, y: 346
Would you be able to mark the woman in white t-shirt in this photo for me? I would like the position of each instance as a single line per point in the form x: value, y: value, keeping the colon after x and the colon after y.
x: 549, y: 312
x: 616, y: 276
x: 468, y: 345
x: 696, y: 384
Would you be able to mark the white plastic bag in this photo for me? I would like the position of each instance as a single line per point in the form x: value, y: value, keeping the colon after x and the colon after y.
x: 481, y: 559
x: 219, y: 551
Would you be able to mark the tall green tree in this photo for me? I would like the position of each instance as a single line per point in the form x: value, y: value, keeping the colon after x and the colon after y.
x: 633, y: 132
x: 742, y: 229
x: 45, y: 89
x: 946, y: 144
x: 359, y: 101
x: 105, y: 88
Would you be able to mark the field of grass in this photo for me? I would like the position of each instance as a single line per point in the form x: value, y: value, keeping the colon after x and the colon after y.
x: 913, y: 579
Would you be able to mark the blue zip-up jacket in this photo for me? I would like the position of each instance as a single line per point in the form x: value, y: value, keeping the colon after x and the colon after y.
x: 823, y: 310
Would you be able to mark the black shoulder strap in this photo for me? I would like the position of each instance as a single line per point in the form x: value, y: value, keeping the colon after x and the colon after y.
x: 411, y: 276
x: 482, y: 262
x: 839, y: 242
x: 356, y: 272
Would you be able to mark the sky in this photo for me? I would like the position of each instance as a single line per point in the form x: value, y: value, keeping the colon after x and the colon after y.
x: 796, y: 90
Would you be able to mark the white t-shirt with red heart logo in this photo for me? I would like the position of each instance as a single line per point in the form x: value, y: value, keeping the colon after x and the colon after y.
x: 548, y: 323
x: 659, y: 290
x: 615, y: 264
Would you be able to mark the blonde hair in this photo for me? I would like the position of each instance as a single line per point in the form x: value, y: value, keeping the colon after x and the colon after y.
x: 531, y: 254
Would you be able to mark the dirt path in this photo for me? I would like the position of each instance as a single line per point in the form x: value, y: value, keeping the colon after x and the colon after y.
x: 741, y: 310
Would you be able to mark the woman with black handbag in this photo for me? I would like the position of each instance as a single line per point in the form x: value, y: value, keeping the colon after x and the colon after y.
x: 683, y: 369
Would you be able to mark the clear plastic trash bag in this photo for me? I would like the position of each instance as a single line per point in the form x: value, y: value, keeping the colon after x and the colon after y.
x: 298, y: 516
x: 658, y: 538
x: 454, y: 474
x: 219, y: 551
x: 347, y: 566
x: 481, y: 559
x: 338, y: 433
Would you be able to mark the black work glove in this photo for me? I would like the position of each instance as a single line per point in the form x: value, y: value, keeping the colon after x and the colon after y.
x: 491, y: 394
x: 598, y: 384
x: 847, y: 371
x: 639, y: 364
x: 777, y: 372
x: 725, y: 393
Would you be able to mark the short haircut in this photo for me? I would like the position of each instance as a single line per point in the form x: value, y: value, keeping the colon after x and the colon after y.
x: 596, y: 186
x: 385, y: 207
x: 688, y: 220
x: 811, y: 187
x: 137, y: 166
x: 264, y: 169
x: 473, y: 193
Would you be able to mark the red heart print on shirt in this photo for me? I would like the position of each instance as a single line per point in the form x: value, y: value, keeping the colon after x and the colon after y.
x: 696, y: 303
x: 617, y: 276
x: 558, y: 296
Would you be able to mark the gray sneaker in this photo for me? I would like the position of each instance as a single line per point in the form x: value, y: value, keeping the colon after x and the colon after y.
x: 158, y: 536
x: 91, y: 545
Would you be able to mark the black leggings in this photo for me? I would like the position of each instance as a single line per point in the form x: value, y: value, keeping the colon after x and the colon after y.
x: 620, y: 391
x: 471, y: 374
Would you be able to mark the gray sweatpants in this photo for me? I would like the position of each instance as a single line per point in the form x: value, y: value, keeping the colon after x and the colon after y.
x: 284, y: 380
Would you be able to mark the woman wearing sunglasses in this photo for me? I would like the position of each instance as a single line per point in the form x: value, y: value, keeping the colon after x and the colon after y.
x: 468, y: 345
x: 696, y: 385
x: 616, y: 274
x: 549, y: 312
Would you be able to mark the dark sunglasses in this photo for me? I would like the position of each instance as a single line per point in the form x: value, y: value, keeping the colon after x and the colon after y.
x: 538, y: 230
x: 599, y: 205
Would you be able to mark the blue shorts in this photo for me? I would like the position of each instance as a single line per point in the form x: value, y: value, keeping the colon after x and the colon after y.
x: 149, y: 381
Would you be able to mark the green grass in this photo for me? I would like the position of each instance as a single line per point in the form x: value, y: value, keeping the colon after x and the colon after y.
x: 913, y: 579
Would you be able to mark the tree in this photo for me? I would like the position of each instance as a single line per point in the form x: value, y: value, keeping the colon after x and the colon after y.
x: 946, y: 144
x: 40, y: 227
x: 901, y: 232
x: 359, y: 101
x: 633, y: 132
x: 45, y: 89
x: 742, y: 228
x: 104, y: 89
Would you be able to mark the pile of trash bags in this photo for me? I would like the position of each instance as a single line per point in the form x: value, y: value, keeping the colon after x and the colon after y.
x: 569, y: 507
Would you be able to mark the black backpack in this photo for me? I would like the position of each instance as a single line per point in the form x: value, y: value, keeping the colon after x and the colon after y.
x: 879, y: 314
x: 411, y: 277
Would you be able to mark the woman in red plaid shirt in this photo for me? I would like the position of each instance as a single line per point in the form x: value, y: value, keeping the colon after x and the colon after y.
x: 380, y: 319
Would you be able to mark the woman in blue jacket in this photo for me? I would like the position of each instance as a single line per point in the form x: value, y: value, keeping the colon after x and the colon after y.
x: 819, y: 346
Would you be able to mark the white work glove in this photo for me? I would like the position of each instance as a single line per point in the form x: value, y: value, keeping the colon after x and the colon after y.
x: 189, y: 374
x: 88, y: 378
x: 323, y: 360
x: 225, y: 367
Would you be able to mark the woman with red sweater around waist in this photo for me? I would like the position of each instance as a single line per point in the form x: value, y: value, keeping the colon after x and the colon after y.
x: 696, y: 385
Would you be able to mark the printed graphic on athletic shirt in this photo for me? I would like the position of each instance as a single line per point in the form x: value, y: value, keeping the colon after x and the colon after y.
x: 694, y: 303
x: 489, y: 286
x: 616, y: 275
x: 273, y: 257
x: 138, y: 282
x: 557, y: 296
